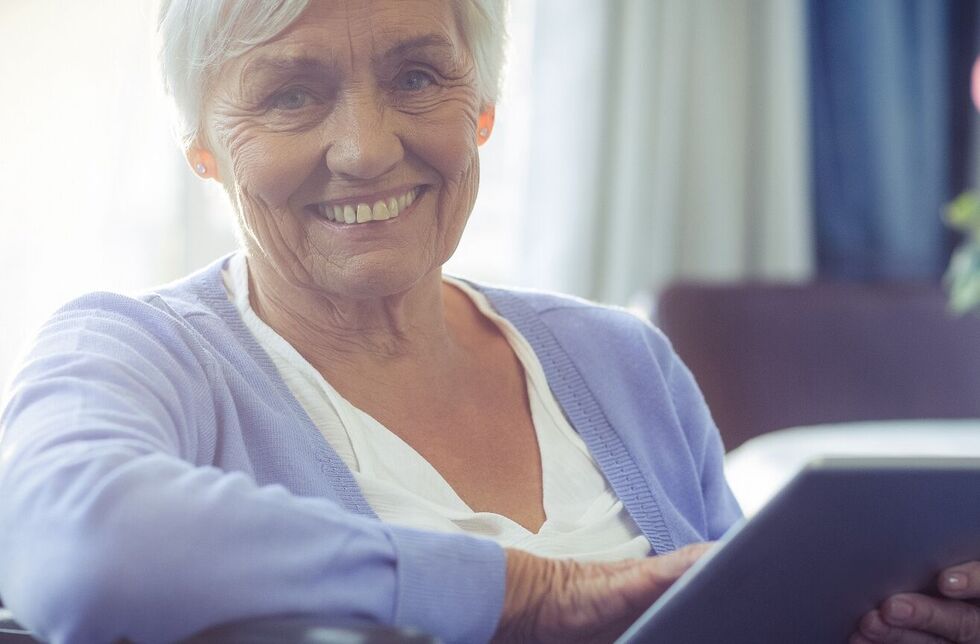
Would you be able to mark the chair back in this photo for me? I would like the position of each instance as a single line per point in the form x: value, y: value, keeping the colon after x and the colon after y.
x: 772, y: 356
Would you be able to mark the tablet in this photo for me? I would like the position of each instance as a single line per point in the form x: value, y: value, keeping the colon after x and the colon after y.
x: 843, y: 535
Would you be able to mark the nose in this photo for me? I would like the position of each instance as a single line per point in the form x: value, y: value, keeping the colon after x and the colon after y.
x: 362, y: 143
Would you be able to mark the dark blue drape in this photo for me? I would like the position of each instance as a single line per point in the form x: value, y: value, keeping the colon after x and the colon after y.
x: 891, y: 112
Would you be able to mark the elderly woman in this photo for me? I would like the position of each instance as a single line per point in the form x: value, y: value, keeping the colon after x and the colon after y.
x: 325, y: 424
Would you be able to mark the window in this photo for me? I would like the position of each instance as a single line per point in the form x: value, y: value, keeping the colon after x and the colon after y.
x: 95, y: 195
x: 490, y: 246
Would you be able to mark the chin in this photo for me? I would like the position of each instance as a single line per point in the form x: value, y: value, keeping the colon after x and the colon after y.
x: 372, y: 281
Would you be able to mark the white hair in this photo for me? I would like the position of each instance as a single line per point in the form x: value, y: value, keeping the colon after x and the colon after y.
x: 197, y: 37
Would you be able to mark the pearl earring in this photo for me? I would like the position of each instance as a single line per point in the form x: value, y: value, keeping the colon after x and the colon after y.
x: 484, y: 132
x: 201, y: 168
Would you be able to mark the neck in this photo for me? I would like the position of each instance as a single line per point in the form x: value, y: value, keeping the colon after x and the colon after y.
x: 347, y: 336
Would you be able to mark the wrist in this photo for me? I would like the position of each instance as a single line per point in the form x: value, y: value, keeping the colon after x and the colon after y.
x: 528, y: 581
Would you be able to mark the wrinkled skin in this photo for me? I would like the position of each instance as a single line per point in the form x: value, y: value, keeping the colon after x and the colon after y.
x: 371, y: 96
x: 952, y: 617
x: 368, y: 96
x: 354, y: 102
x: 365, y: 97
x: 561, y: 601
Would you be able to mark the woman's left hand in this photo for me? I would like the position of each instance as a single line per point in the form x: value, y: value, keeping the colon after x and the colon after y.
x: 910, y: 618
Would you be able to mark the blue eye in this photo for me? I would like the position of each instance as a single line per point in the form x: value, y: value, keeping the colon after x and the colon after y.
x: 293, y: 98
x: 414, y: 80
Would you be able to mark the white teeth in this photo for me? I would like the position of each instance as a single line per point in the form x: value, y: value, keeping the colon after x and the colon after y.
x: 363, y: 212
x: 380, y: 212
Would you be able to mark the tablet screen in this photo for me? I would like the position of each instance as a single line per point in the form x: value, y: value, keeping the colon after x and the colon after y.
x: 842, y: 536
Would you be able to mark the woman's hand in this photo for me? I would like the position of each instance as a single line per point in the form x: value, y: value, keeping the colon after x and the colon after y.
x: 910, y: 618
x: 553, y: 600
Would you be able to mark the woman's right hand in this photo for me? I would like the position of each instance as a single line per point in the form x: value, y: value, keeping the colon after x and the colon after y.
x: 554, y: 600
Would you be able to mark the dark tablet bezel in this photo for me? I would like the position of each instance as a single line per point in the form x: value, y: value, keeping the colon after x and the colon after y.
x: 841, y: 536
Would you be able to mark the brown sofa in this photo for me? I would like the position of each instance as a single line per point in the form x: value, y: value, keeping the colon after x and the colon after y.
x: 771, y: 356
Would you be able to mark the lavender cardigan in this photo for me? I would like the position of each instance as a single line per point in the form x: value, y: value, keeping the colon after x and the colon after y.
x: 157, y: 476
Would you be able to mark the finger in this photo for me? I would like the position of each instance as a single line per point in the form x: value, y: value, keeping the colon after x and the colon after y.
x: 873, y: 627
x: 954, y: 620
x: 674, y: 564
x: 962, y: 581
x: 639, y: 583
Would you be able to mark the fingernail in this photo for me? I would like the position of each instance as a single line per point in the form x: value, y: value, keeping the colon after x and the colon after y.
x: 955, y: 581
x: 900, y: 610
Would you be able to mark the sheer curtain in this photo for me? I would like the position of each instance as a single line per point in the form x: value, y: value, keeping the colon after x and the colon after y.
x: 636, y: 141
x: 94, y: 193
x: 668, y: 140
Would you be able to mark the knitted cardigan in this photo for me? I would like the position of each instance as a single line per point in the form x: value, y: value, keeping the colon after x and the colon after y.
x: 157, y: 476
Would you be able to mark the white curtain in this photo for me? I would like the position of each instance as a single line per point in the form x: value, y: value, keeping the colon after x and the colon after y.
x: 94, y: 193
x: 665, y: 136
x: 669, y: 140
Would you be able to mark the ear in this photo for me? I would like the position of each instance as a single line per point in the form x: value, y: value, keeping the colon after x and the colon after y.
x: 484, y: 125
x: 202, y: 162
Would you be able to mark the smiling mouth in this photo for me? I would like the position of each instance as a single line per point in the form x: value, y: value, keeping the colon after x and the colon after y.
x: 352, y: 213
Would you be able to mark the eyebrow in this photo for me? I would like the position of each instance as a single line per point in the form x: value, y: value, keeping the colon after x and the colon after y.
x: 430, y: 41
x: 279, y: 65
x: 284, y: 65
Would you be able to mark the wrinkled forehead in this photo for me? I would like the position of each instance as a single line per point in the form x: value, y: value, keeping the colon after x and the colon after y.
x: 345, y: 34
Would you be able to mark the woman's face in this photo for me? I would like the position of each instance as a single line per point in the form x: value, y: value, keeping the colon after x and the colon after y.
x: 360, y: 110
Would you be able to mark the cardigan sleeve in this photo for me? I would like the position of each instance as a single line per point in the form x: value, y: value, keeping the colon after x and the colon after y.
x: 109, y: 531
x: 721, y: 507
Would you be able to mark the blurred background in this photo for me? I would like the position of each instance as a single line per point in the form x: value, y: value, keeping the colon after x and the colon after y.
x: 640, y: 144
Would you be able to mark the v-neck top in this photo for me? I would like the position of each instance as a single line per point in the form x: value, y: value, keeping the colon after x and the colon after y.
x: 585, y: 520
x: 159, y: 477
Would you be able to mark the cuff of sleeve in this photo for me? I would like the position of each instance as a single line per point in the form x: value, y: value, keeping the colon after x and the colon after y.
x: 448, y: 585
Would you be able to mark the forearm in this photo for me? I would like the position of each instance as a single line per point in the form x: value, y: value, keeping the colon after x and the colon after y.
x: 109, y: 527
x: 153, y: 549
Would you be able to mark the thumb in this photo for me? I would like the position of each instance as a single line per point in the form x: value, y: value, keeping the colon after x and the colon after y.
x: 668, y: 567
x: 642, y: 584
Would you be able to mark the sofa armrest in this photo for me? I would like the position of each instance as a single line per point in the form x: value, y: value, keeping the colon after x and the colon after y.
x: 285, y: 630
x: 308, y: 630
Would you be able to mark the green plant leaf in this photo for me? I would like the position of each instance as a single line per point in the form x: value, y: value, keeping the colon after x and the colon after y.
x: 964, y: 213
x: 963, y: 278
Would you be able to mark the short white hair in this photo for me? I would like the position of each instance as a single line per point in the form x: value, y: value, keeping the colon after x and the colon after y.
x: 197, y: 37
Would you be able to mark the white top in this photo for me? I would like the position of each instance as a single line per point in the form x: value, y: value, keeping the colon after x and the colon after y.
x: 584, y: 518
